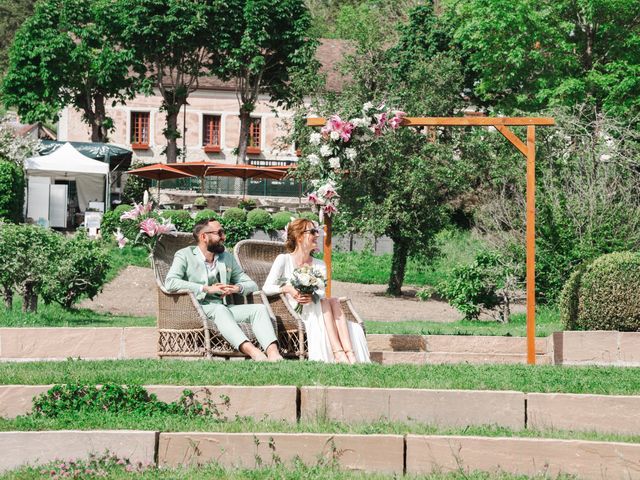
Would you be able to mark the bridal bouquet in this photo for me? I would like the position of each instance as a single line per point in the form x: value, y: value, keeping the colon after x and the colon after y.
x: 307, y: 280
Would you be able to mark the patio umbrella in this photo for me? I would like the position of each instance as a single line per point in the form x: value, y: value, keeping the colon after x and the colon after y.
x: 245, y: 172
x: 197, y: 169
x: 159, y: 172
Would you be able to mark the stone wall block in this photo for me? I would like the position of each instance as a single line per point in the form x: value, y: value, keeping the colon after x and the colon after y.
x: 458, y: 408
x: 629, y: 348
x: 18, y: 399
x: 596, y: 348
x: 482, y: 344
x: 602, y: 413
x: 140, y: 342
x: 396, y: 343
x: 524, y: 456
x: 37, y: 448
x: 369, y: 453
x: 272, y: 402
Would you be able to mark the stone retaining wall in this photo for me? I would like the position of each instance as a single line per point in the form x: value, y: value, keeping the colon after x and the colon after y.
x: 617, y: 414
x: 562, y: 348
x: 390, y: 454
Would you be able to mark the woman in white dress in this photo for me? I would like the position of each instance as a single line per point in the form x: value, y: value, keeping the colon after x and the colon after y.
x: 330, y: 337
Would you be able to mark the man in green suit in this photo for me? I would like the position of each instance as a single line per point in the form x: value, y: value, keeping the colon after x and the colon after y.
x: 212, y: 275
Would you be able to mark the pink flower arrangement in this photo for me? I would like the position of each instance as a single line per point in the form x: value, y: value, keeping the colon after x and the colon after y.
x: 336, y: 150
x: 120, y: 238
x: 150, y: 228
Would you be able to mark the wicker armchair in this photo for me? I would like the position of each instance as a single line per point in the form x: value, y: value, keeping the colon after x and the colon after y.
x: 256, y: 258
x: 183, y: 328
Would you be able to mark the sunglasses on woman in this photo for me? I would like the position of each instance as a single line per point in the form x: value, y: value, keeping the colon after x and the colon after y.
x: 313, y: 231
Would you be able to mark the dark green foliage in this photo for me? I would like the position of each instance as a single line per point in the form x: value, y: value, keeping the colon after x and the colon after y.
x: 113, y: 398
x: 206, y: 214
x: 247, y: 204
x: 111, y: 219
x: 61, y: 56
x: 81, y: 270
x: 12, y: 14
x: 235, y: 214
x: 281, y: 219
x: 570, y: 298
x: 180, y: 218
x: 12, y: 184
x: 607, y: 296
x: 473, y: 287
x: 235, y: 230
x: 27, y: 252
x: 200, y: 202
x: 259, y: 218
x: 135, y: 186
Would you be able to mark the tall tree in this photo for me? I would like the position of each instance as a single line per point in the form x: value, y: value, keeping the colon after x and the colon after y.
x: 61, y: 56
x: 270, y: 45
x: 12, y: 14
x: 530, y: 54
x: 173, y: 41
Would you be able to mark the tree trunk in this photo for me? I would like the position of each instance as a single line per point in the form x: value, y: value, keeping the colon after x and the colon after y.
x: 398, y: 265
x: 171, y: 134
x: 29, y: 299
x: 245, y: 122
x: 7, y: 295
x: 99, y: 126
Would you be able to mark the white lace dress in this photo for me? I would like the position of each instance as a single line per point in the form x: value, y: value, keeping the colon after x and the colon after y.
x: 316, y: 331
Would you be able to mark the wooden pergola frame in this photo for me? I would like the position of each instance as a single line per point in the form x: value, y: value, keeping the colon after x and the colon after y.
x: 528, y: 149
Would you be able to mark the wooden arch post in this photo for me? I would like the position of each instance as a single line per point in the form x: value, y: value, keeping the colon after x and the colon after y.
x: 528, y: 149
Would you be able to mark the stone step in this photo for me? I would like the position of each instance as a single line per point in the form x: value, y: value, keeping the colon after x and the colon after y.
x: 385, y: 454
x: 436, y: 358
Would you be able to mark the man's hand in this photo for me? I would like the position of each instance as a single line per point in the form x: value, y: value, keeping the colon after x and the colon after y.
x: 222, y: 289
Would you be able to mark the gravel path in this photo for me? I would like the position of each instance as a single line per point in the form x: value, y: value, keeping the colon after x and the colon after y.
x: 133, y: 292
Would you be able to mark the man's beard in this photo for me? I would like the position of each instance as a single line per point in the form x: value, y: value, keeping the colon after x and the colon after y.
x: 215, y: 247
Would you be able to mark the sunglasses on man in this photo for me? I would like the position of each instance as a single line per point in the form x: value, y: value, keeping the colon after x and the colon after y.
x: 215, y: 232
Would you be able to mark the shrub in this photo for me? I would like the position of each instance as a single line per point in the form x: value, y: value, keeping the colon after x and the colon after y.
x: 180, y: 218
x: 135, y: 186
x: 473, y: 287
x: 206, y: 213
x: 281, y: 219
x: 259, y: 218
x: 569, y: 299
x: 12, y: 184
x: 235, y: 214
x: 247, y: 204
x: 200, y: 202
x: 111, y: 219
x: 81, y: 270
x: 235, y: 230
x: 27, y: 252
x: 606, y: 295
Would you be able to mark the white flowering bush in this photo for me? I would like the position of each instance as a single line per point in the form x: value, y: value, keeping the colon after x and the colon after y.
x: 13, y: 147
x: 334, y: 150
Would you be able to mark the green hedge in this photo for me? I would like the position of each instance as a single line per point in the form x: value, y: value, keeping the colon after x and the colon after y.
x: 259, y: 218
x: 604, y: 294
x: 12, y: 184
x: 281, y: 219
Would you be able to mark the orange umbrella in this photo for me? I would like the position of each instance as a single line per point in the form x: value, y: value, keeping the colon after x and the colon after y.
x: 159, y: 172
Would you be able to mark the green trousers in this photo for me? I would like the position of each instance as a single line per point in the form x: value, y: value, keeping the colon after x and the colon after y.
x: 226, y: 318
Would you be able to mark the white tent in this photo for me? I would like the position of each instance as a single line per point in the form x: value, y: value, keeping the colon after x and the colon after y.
x: 91, y: 176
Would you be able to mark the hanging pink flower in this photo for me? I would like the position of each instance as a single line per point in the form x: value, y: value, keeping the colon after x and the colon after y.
x: 313, y: 198
x: 396, y: 121
x: 134, y: 213
x: 167, y: 228
x: 120, y: 238
x: 329, y: 209
x: 150, y: 227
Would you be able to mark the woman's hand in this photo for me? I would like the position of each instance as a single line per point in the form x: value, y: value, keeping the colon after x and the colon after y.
x: 302, y: 299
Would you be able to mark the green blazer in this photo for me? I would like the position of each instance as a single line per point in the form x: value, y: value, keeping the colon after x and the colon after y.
x: 188, y: 272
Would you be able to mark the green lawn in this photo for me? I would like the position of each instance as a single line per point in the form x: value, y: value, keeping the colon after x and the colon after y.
x: 93, y: 420
x: 457, y: 248
x: 547, y: 322
x: 299, y: 471
x: 541, y: 378
x: 55, y: 316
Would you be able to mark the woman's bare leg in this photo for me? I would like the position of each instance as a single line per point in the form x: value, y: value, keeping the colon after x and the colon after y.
x: 343, y: 330
x: 334, y: 340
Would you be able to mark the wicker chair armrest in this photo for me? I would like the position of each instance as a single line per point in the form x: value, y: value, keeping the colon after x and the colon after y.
x: 350, y: 312
x: 194, y: 304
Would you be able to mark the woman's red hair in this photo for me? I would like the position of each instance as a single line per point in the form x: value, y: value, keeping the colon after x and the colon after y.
x: 295, y: 230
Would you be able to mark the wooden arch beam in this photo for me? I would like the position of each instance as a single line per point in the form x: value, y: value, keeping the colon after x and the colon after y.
x: 527, y: 149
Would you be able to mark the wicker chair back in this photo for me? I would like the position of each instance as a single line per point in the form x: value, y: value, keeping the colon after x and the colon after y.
x: 256, y: 257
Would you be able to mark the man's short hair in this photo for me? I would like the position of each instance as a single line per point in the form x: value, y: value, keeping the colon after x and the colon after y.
x: 201, y: 225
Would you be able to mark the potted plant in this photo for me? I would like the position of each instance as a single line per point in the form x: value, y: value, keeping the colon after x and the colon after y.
x: 247, y: 204
x: 200, y: 203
